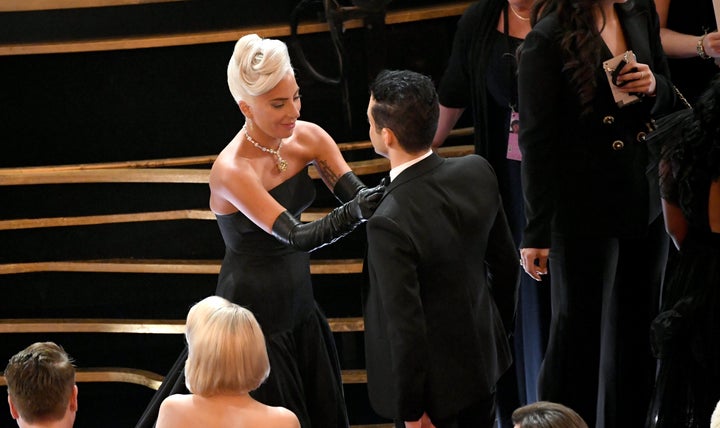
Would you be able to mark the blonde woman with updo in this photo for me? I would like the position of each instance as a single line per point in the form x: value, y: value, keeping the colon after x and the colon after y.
x: 226, y: 360
x: 259, y: 186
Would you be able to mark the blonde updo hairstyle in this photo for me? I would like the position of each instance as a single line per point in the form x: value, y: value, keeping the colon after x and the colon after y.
x: 226, y: 349
x: 257, y: 65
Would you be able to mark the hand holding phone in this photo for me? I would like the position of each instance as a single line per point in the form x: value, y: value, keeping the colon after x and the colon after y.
x: 613, y: 69
x: 617, y: 71
x: 626, y: 58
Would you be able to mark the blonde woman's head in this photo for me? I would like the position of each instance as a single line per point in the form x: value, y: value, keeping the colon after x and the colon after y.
x: 715, y: 418
x: 226, y: 349
x: 256, y: 66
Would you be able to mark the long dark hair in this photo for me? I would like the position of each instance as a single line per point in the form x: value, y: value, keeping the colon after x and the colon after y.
x: 581, y: 43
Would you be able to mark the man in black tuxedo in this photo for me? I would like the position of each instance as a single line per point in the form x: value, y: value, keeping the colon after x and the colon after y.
x: 443, y: 270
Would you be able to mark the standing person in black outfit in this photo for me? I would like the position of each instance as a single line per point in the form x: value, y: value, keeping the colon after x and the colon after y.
x: 592, y: 210
x: 259, y: 185
x: 443, y: 270
x: 686, y: 332
x: 692, y: 43
x: 482, y: 75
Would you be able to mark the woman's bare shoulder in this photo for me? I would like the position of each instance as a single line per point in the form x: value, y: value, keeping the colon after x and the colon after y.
x: 306, y: 127
x: 229, y: 165
x: 178, y: 400
x: 174, y: 411
x: 282, y: 417
x: 261, y: 415
x: 308, y: 133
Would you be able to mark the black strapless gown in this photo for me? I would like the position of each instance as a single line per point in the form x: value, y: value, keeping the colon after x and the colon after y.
x: 273, y: 281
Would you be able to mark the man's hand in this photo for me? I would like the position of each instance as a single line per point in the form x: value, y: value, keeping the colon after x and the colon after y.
x: 534, y: 261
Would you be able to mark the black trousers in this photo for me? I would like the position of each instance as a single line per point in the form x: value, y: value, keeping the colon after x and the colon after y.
x: 478, y: 415
x: 518, y: 386
x: 605, y: 293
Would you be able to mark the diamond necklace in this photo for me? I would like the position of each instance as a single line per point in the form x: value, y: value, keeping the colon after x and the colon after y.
x: 515, y: 12
x: 280, y: 163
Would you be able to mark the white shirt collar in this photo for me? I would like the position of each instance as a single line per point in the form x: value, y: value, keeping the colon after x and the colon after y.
x: 402, y: 167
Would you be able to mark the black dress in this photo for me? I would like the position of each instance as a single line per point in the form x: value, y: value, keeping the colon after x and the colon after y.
x: 686, y: 334
x: 273, y: 281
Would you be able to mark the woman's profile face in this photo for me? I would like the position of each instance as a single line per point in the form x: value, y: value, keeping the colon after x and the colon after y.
x: 276, y: 111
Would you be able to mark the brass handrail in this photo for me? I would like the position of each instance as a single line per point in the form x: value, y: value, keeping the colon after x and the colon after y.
x: 36, y: 5
x: 35, y: 223
x: 133, y: 326
x: 66, y: 174
x: 170, y: 266
x: 218, y: 36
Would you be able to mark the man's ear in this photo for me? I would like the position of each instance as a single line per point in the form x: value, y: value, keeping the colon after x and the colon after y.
x: 73, y: 404
x: 388, y: 137
x: 13, y: 411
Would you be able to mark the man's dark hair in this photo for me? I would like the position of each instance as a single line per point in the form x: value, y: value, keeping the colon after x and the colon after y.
x: 40, y: 381
x: 545, y: 414
x: 406, y: 102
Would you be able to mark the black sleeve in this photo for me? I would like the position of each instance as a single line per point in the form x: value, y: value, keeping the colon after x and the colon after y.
x: 666, y: 99
x: 454, y: 90
x: 540, y: 85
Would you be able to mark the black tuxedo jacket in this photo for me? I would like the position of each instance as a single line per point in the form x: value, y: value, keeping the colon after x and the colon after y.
x: 586, y: 175
x: 443, y: 275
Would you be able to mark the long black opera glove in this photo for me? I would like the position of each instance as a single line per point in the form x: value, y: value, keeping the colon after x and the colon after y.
x: 347, y: 187
x: 338, y: 223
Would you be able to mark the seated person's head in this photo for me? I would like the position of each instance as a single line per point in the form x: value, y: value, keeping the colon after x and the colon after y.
x: 41, y: 385
x: 544, y: 414
x: 226, y: 349
x: 406, y: 103
x: 715, y: 418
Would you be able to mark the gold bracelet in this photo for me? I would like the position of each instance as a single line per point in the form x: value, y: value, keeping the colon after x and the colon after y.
x: 701, y: 49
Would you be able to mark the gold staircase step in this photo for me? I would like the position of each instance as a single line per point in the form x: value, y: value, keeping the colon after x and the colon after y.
x: 219, y: 36
x: 205, y: 267
x: 134, y: 326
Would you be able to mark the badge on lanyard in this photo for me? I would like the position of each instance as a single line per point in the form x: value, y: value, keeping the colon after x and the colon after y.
x: 513, y: 149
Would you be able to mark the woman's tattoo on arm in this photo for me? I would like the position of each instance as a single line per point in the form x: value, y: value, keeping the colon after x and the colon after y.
x: 327, y: 173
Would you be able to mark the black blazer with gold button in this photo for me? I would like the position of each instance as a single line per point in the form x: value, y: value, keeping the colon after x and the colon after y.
x: 586, y: 175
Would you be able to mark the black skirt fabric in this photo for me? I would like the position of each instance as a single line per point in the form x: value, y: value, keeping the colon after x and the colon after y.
x: 686, y: 338
x: 273, y: 281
